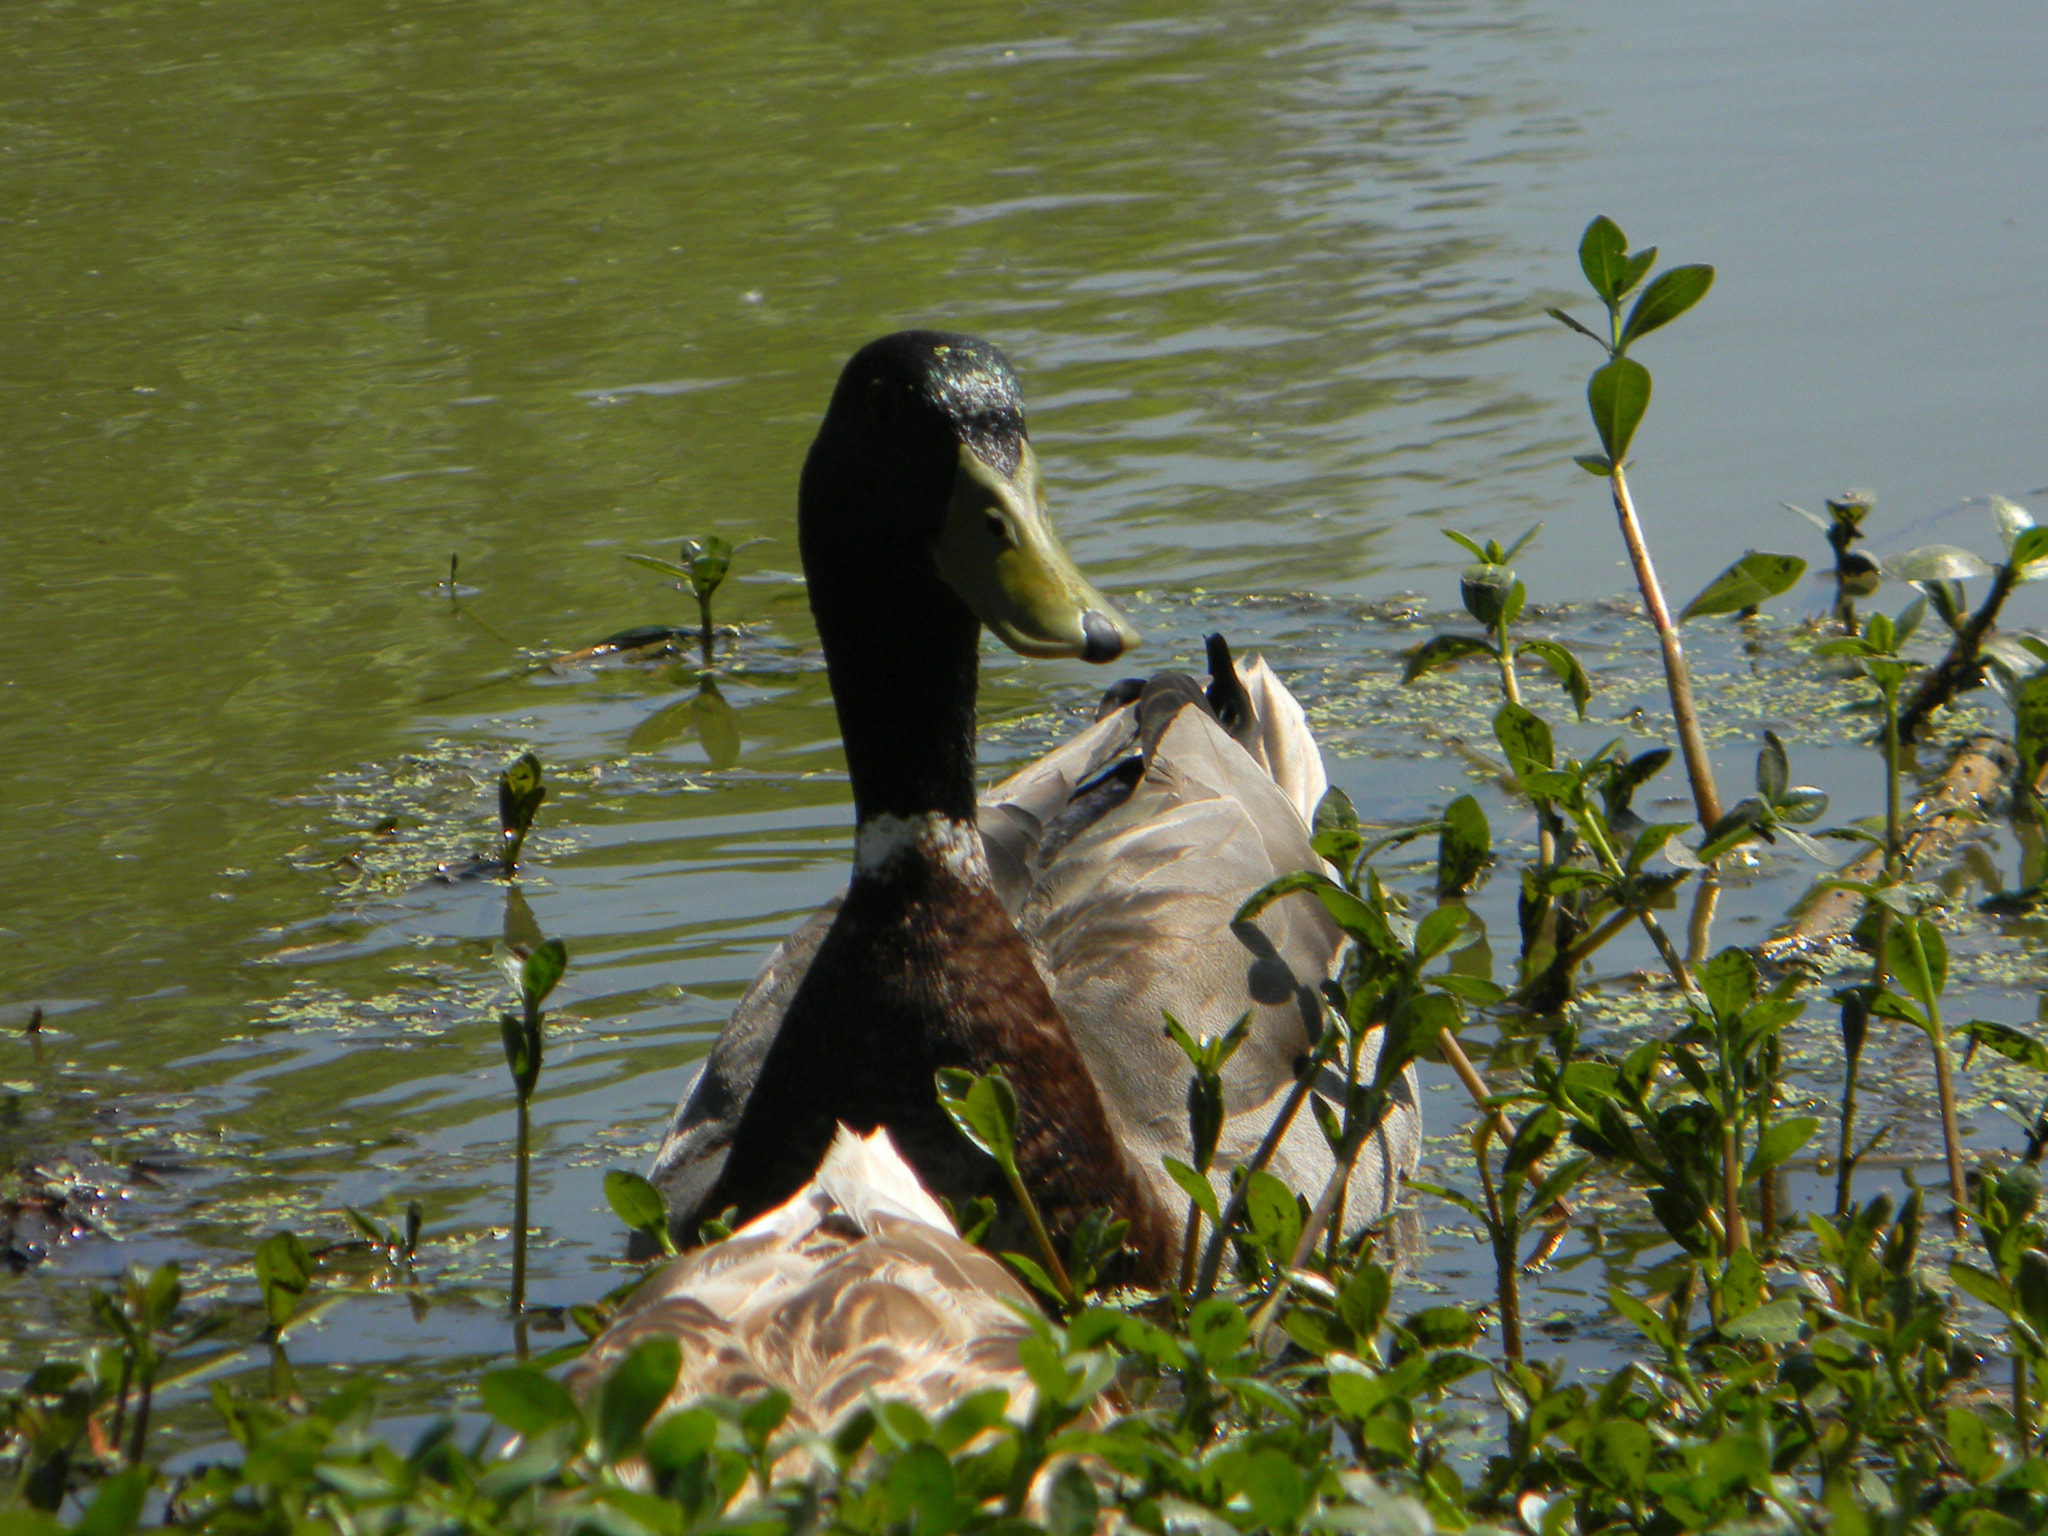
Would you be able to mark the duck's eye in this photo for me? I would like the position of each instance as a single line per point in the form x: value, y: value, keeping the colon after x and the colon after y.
x: 997, y: 528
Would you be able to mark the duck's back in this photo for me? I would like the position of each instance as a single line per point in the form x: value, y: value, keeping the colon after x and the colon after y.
x: 1123, y: 856
x: 855, y: 1286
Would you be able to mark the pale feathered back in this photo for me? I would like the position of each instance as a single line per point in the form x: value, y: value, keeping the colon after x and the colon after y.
x: 857, y: 1285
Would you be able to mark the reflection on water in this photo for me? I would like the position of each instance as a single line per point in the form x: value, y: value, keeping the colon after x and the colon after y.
x: 306, y: 305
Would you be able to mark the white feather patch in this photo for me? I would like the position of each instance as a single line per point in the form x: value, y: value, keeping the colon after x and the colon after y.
x: 880, y: 841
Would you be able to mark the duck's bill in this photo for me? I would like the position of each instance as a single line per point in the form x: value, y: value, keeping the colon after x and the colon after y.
x: 998, y: 551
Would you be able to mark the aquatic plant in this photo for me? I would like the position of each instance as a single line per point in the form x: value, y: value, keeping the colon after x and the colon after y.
x: 1856, y: 574
x: 1940, y: 570
x: 534, y: 976
x: 1618, y: 394
x: 705, y: 564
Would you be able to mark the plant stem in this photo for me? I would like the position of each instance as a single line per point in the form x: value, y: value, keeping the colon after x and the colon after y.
x: 519, y: 1211
x: 1507, y: 1280
x: 1212, y: 1256
x: 1039, y: 1235
x: 1944, y: 1082
x: 1959, y: 670
x: 2022, y: 1411
x: 1706, y: 798
x: 1845, y: 1156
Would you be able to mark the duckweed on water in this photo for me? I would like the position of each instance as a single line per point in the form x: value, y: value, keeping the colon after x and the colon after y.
x: 1740, y: 1361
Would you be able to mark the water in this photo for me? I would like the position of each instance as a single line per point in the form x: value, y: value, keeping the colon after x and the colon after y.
x: 306, y: 301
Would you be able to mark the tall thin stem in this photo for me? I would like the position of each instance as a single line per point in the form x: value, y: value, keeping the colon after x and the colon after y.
x: 1945, y: 1085
x: 1699, y: 770
x: 519, y: 1211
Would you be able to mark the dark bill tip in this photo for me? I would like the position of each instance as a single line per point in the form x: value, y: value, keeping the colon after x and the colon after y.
x: 1101, y: 640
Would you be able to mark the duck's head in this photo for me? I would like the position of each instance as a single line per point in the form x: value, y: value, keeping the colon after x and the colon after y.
x: 923, y: 478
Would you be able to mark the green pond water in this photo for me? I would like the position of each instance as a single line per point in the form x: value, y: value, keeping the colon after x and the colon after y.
x: 301, y: 301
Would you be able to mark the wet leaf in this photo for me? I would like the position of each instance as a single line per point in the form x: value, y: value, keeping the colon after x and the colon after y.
x: 1274, y: 1215
x: 2013, y: 1044
x: 284, y: 1271
x: 1566, y: 668
x: 1754, y: 579
x: 639, y: 1205
x: 1671, y: 295
x: 1463, y: 848
x: 985, y: 1109
x: 1337, y: 837
x: 1777, y: 1321
x: 1525, y: 739
x: 1780, y: 1142
x: 1443, y: 651
x: 1938, y: 563
x: 529, y: 1402
x: 540, y: 971
x: 630, y: 1396
x: 1603, y: 257
x: 1618, y: 394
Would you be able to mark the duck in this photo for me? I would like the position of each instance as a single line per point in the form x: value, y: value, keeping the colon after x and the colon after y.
x: 855, y: 1289
x: 1043, y: 929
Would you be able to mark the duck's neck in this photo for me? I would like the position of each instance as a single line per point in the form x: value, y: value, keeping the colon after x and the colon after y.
x: 903, y: 677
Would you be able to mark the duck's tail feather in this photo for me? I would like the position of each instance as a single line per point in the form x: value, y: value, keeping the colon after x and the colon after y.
x: 867, y: 1177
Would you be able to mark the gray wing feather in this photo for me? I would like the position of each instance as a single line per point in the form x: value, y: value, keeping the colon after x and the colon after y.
x: 1130, y: 917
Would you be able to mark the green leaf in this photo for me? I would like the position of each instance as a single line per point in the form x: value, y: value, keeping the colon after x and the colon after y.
x: 639, y: 1205
x: 1438, y: 931
x: 1273, y: 1214
x: 679, y: 1440
x: 1274, y: 1487
x: 117, y: 1508
x: 1441, y: 1327
x: 1618, y: 1452
x: 1729, y: 980
x: 1474, y: 989
x: 1671, y: 295
x: 2013, y: 1044
x: 1525, y: 739
x: 985, y: 1109
x: 1363, y: 1301
x: 1566, y: 320
x: 1654, y: 1327
x: 666, y: 567
x: 1071, y: 1507
x: 710, y: 558
x: 1463, y: 847
x: 529, y: 1402
x: 1337, y: 837
x: 1618, y: 394
x: 284, y: 1271
x: 1754, y: 579
x: 1197, y: 1188
x: 1773, y: 769
x: 1777, y: 1321
x: 1603, y: 257
x: 1969, y: 1443
x: 540, y: 971
x: 1351, y: 913
x: 1443, y: 651
x: 1565, y: 667
x: 1923, y: 971
x: 634, y: 1391
x: 1937, y: 563
x: 1782, y: 1141
x: 2029, y: 551
x: 1597, y: 465
x: 1986, y: 1287
x: 1218, y: 1330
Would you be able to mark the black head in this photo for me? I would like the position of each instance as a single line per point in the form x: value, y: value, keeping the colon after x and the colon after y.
x: 923, y: 469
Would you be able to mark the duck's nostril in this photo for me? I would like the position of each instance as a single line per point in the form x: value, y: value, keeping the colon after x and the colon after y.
x: 1100, y: 639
